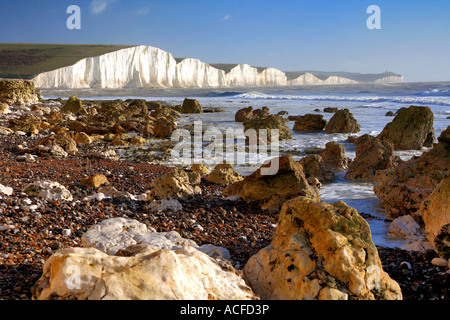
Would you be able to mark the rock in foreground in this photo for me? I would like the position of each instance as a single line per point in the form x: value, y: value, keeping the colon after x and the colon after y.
x: 18, y: 91
x: 184, y: 274
x: 123, y: 260
x: 320, y: 251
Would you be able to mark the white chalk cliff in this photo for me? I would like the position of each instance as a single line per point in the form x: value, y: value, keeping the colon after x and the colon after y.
x: 150, y: 67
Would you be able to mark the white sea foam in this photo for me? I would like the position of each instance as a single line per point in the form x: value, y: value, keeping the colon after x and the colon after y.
x: 398, y: 99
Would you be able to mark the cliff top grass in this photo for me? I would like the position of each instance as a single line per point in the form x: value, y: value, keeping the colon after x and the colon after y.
x: 19, y: 60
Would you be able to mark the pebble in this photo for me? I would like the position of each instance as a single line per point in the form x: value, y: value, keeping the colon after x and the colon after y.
x: 440, y: 262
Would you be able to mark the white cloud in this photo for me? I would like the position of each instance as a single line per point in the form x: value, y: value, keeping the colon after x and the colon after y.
x: 142, y: 11
x: 98, y: 6
x: 227, y: 17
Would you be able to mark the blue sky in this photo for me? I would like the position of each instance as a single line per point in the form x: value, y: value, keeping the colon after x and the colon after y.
x: 326, y: 35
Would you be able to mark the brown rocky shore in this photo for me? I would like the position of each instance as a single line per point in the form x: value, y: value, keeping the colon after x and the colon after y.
x: 59, y: 184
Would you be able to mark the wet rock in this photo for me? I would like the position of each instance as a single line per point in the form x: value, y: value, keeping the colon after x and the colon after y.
x: 271, y: 189
x: 342, y: 122
x: 310, y: 123
x: 411, y: 129
x: 314, y: 166
x: 271, y: 122
x: 403, y: 188
x: 435, y: 212
x: 360, y: 140
x: 317, y: 247
x: 191, y: 106
x: 164, y: 128
x: 250, y: 114
x: 334, y: 157
x: 371, y: 156
x: 138, y: 141
x: 330, y: 110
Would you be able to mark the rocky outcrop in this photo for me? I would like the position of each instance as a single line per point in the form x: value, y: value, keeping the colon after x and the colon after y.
x: 175, y: 184
x: 164, y: 127
x: 310, y: 123
x: 403, y: 188
x: 314, y: 166
x: 18, y: 91
x: 75, y: 106
x: 271, y: 191
x: 411, y: 129
x: 122, y: 260
x: 200, y: 168
x: 68, y: 144
x: 359, y: 140
x: 250, y: 114
x: 320, y: 251
x: 435, y: 212
x: 334, y: 157
x: 371, y: 156
x: 269, y: 123
x: 224, y: 174
x: 342, y: 122
x: 191, y: 106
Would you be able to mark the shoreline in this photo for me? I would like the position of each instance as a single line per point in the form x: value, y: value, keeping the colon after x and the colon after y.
x: 33, y: 240
x: 39, y: 227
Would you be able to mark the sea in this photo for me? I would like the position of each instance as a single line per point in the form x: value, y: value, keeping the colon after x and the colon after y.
x: 368, y: 103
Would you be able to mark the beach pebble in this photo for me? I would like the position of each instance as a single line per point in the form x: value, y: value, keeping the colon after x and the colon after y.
x: 439, y: 262
x: 6, y: 190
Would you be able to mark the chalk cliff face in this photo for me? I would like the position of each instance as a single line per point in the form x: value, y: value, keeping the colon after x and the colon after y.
x: 150, y: 67
x: 390, y: 79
